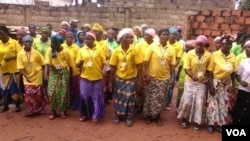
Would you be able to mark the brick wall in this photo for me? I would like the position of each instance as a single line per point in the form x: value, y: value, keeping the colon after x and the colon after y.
x: 121, y: 13
x: 214, y: 23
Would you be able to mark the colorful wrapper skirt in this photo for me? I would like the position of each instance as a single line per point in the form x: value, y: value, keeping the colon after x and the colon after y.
x: 124, y: 97
x: 58, y: 89
x: 154, y: 102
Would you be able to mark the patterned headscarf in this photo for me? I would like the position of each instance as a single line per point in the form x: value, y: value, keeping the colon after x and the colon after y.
x: 45, y: 29
x: 173, y: 30
x: 32, y: 25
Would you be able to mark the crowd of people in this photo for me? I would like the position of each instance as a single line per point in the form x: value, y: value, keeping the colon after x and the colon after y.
x: 137, y: 68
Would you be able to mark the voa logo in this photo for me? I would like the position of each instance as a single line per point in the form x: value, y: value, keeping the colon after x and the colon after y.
x: 236, y: 132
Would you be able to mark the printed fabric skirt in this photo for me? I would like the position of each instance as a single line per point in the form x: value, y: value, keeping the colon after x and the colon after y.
x: 124, y: 97
x: 154, y: 102
x: 36, y: 101
x: 10, y: 88
x: 192, y: 102
x: 58, y: 89
x: 91, y: 99
x: 75, y: 93
x: 241, y: 114
x: 218, y: 106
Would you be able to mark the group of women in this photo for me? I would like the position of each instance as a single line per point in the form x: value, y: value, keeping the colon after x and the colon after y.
x: 136, y: 65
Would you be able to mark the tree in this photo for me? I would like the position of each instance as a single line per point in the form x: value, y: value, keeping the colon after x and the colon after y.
x: 245, y: 5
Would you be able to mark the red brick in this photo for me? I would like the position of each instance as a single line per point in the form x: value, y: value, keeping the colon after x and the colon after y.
x: 207, y: 32
x: 219, y: 20
x: 198, y: 31
x: 204, y: 25
x: 216, y: 33
x: 229, y: 20
x: 216, y: 13
x: 240, y: 20
x: 224, y: 27
x: 247, y: 20
x: 234, y: 31
x: 195, y: 24
x: 200, y: 18
x: 245, y: 13
x: 209, y: 19
x: 235, y: 27
x: 226, y: 13
x: 236, y: 13
x: 206, y: 12
x: 214, y: 26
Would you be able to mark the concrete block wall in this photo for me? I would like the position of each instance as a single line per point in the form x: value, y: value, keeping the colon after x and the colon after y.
x: 121, y: 13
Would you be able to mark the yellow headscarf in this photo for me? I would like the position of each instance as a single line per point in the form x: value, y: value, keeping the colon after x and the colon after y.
x: 97, y: 27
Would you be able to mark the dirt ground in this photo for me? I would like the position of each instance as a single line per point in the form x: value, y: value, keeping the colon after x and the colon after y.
x: 15, y: 127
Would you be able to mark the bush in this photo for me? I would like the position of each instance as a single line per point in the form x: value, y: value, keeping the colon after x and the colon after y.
x: 245, y: 5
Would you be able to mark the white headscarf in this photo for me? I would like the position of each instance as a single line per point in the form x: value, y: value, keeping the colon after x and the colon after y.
x: 65, y: 23
x: 247, y: 43
x: 123, y: 32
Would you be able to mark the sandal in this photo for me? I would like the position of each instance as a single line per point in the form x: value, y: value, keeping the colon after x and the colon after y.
x: 196, y: 128
x: 159, y: 122
x: 210, y: 129
x: 51, y: 117
x: 82, y: 119
x: 18, y: 109
x: 94, y: 120
x: 63, y: 116
x: 116, y: 121
x: 183, y: 125
x: 28, y: 115
x: 148, y: 121
x: 4, y: 109
x: 129, y: 122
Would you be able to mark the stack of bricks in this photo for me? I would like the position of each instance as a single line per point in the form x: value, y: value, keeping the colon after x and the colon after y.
x: 214, y: 23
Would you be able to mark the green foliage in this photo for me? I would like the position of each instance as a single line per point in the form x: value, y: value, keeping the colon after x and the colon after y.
x: 245, y: 5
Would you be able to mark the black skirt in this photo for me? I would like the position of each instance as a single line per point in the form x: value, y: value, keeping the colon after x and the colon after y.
x: 241, y: 113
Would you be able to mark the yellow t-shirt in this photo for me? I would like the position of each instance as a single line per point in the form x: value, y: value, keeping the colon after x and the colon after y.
x: 126, y: 62
x: 223, y: 66
x: 178, y: 51
x: 9, y: 49
x: 31, y: 63
x: 103, y: 46
x: 241, y: 57
x: 197, y: 66
x: 62, y: 60
x: 160, y: 59
x: 142, y: 48
x: 73, y: 51
x: 177, y: 48
x: 94, y: 59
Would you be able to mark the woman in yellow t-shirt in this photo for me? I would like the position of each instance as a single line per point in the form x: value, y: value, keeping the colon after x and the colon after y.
x: 91, y: 61
x: 125, y: 62
x: 222, y: 85
x: 30, y: 63
x: 180, y: 76
x: 192, y: 102
x: 74, y: 87
x: 58, y: 71
x: 159, y: 67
